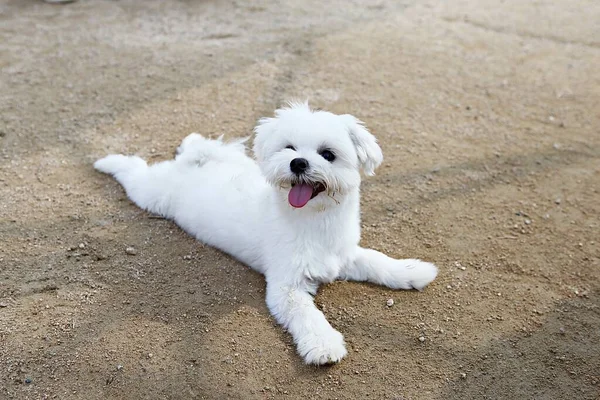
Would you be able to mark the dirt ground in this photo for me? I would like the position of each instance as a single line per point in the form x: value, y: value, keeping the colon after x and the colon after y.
x: 488, y: 114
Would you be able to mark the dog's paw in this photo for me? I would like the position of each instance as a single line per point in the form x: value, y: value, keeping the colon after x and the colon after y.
x: 116, y: 163
x: 409, y: 274
x: 420, y: 273
x: 322, y: 348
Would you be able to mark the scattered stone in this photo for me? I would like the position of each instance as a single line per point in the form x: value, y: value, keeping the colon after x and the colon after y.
x: 463, y: 375
x: 82, y: 245
x: 556, y: 146
x: 558, y: 200
x: 131, y: 251
x: 28, y: 380
x: 150, y: 355
x: 421, y: 339
x: 390, y: 302
x: 187, y: 257
x: 3, y: 305
x: 562, y: 331
x: 119, y: 367
x: 527, y: 222
x: 449, y: 287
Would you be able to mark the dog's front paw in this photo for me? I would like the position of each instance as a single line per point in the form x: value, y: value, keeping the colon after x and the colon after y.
x: 408, y: 274
x: 420, y: 273
x: 322, y: 348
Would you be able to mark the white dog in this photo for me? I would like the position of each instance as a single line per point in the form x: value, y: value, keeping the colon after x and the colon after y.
x: 293, y: 216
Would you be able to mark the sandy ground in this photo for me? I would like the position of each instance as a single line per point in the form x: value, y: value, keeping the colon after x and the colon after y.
x: 488, y: 114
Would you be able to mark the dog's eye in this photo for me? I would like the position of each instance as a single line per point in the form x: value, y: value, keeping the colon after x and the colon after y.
x: 328, y: 155
x: 289, y: 146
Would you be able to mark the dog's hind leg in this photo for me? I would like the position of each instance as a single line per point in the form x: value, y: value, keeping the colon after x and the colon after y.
x: 375, y: 267
x: 147, y: 186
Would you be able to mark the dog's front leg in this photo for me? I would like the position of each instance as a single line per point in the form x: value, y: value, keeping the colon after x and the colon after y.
x: 293, y: 307
x: 373, y: 266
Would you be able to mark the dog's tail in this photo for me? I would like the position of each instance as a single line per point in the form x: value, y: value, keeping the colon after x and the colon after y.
x: 147, y: 187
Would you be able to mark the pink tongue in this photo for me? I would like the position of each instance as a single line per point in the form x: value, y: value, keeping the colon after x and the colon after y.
x: 300, y: 194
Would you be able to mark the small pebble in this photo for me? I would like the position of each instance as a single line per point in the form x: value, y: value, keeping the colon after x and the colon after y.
x: 557, y: 201
x: 3, y: 305
x: 390, y: 302
x: 28, y: 380
x: 421, y: 339
x: 150, y: 355
x: 131, y: 251
x: 463, y: 375
x: 119, y: 367
x: 527, y: 221
x: 81, y: 245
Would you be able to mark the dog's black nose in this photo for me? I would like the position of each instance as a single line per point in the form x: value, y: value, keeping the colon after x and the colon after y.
x: 299, y: 165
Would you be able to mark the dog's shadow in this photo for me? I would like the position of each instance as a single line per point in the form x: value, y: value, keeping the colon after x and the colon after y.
x: 181, y: 317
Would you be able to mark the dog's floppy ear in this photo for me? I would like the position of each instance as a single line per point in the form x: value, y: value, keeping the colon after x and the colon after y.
x: 367, y: 149
x: 264, y: 129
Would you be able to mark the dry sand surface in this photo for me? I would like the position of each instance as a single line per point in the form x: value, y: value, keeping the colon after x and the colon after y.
x: 488, y: 113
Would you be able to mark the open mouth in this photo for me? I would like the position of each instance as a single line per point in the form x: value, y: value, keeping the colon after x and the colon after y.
x: 302, y: 193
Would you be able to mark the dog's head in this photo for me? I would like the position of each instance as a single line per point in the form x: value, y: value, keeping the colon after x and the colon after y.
x: 314, y: 157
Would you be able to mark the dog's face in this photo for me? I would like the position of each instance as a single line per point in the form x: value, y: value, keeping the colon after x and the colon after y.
x: 314, y: 158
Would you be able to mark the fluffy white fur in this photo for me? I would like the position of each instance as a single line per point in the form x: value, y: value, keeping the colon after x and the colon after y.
x: 227, y: 200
